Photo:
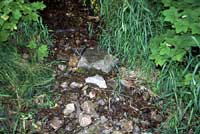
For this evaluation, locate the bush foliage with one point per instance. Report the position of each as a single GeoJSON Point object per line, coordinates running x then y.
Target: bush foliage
{"type": "Point", "coordinates": [12, 12]}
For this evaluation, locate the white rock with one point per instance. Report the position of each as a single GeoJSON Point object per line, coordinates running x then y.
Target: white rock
{"type": "Point", "coordinates": [76, 85]}
{"type": "Point", "coordinates": [101, 102]}
{"type": "Point", "coordinates": [56, 123]}
{"type": "Point", "coordinates": [103, 119]}
{"type": "Point", "coordinates": [88, 107]}
{"type": "Point", "coordinates": [97, 80]}
{"type": "Point", "coordinates": [69, 108]}
{"type": "Point", "coordinates": [62, 67]}
{"type": "Point", "coordinates": [85, 120]}
{"type": "Point", "coordinates": [117, 132]}
{"type": "Point", "coordinates": [136, 130]}
{"type": "Point", "coordinates": [64, 85]}
{"type": "Point", "coordinates": [127, 126]}
{"type": "Point", "coordinates": [92, 95]}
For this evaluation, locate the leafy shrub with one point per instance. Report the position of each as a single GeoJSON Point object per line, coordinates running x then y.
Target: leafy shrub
{"type": "Point", "coordinates": [182, 34]}
{"type": "Point", "coordinates": [12, 12]}
{"type": "Point", "coordinates": [176, 52]}
{"type": "Point", "coordinates": [26, 83]}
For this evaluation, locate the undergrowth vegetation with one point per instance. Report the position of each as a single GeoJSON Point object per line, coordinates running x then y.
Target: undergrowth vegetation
{"type": "Point", "coordinates": [26, 81]}
{"type": "Point", "coordinates": [160, 38]}
{"type": "Point", "coordinates": [128, 27]}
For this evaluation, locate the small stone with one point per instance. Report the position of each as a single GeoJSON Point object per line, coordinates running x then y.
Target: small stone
{"type": "Point", "coordinates": [68, 128]}
{"type": "Point", "coordinates": [156, 117]}
{"type": "Point", "coordinates": [56, 123]}
{"type": "Point", "coordinates": [103, 119]}
{"type": "Point", "coordinates": [73, 61]}
{"type": "Point", "coordinates": [92, 94]}
{"type": "Point", "coordinates": [76, 85]}
{"type": "Point", "coordinates": [117, 132]}
{"type": "Point", "coordinates": [85, 120]}
{"type": "Point", "coordinates": [101, 102]}
{"type": "Point", "coordinates": [107, 131]}
{"type": "Point", "coordinates": [136, 130]}
{"type": "Point", "coordinates": [127, 126]}
{"type": "Point", "coordinates": [97, 80]}
{"type": "Point", "coordinates": [88, 107]}
{"type": "Point", "coordinates": [78, 42]}
{"type": "Point", "coordinates": [69, 108]}
{"type": "Point", "coordinates": [62, 67]}
{"type": "Point", "coordinates": [64, 85]}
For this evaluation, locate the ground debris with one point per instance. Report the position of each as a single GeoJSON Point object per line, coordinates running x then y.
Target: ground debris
{"type": "Point", "coordinates": [109, 107]}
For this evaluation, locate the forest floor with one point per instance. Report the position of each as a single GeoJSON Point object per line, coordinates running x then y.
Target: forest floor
{"type": "Point", "coordinates": [116, 102]}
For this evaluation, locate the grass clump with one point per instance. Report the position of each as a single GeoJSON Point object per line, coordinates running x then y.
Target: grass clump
{"type": "Point", "coordinates": [26, 83]}
{"type": "Point", "coordinates": [127, 30]}
{"type": "Point", "coordinates": [128, 27]}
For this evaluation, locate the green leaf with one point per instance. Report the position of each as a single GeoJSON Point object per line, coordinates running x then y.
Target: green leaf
{"type": "Point", "coordinates": [181, 26]}
{"type": "Point", "coordinates": [160, 60]}
{"type": "Point", "coordinates": [164, 49]}
{"type": "Point", "coordinates": [38, 5]}
{"type": "Point", "coordinates": [4, 36]}
{"type": "Point", "coordinates": [179, 54]}
{"type": "Point", "coordinates": [188, 79]}
{"type": "Point", "coordinates": [195, 28]}
{"type": "Point", "coordinates": [42, 52]}
{"type": "Point", "coordinates": [32, 45]}
{"type": "Point", "coordinates": [16, 14]}
{"type": "Point", "coordinates": [171, 14]}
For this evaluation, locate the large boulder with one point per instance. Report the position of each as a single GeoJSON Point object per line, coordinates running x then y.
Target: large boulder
{"type": "Point", "coordinates": [97, 59]}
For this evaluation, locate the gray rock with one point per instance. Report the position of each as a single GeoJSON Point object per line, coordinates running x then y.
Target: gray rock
{"type": "Point", "coordinates": [103, 119]}
{"type": "Point", "coordinates": [92, 94]}
{"type": "Point", "coordinates": [83, 63]}
{"type": "Point", "coordinates": [117, 132]}
{"type": "Point", "coordinates": [69, 108]}
{"type": "Point", "coordinates": [61, 67]}
{"type": "Point", "coordinates": [156, 117]}
{"type": "Point", "coordinates": [56, 123]}
{"type": "Point", "coordinates": [84, 120]}
{"type": "Point", "coordinates": [127, 125]}
{"type": "Point", "coordinates": [101, 102]}
{"type": "Point", "coordinates": [88, 107]}
{"type": "Point", "coordinates": [97, 59]}
{"type": "Point", "coordinates": [97, 80]}
{"type": "Point", "coordinates": [106, 64]}
{"type": "Point", "coordinates": [136, 130]}
{"type": "Point", "coordinates": [64, 85]}
{"type": "Point", "coordinates": [76, 85]}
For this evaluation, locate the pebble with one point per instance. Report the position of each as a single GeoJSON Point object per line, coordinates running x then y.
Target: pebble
{"type": "Point", "coordinates": [69, 108]}
{"type": "Point", "coordinates": [101, 102]}
{"type": "Point", "coordinates": [97, 80]}
{"type": "Point", "coordinates": [56, 123]}
{"type": "Point", "coordinates": [88, 107]}
{"type": "Point", "coordinates": [103, 119]}
{"type": "Point", "coordinates": [61, 67]}
{"type": "Point", "coordinates": [136, 130]}
{"type": "Point", "coordinates": [92, 94]}
{"type": "Point", "coordinates": [117, 132]}
{"type": "Point", "coordinates": [64, 85]}
{"type": "Point", "coordinates": [126, 125]}
{"type": "Point", "coordinates": [156, 117]}
{"type": "Point", "coordinates": [85, 120]}
{"type": "Point", "coordinates": [74, 85]}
